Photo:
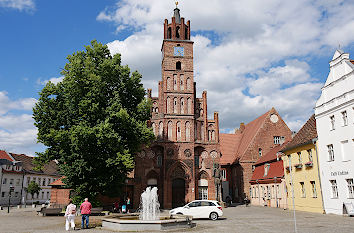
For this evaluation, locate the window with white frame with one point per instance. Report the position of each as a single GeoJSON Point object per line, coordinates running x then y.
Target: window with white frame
{"type": "Point", "coordinates": [250, 192]}
{"type": "Point", "coordinates": [18, 181]}
{"type": "Point", "coordinates": [330, 152]}
{"type": "Point", "coordinates": [314, 191]}
{"type": "Point", "coordinates": [277, 140]}
{"type": "Point", "coordinates": [269, 195]}
{"type": "Point", "coordinates": [273, 191]}
{"type": "Point", "coordinates": [223, 174]}
{"type": "Point", "coordinates": [345, 118]}
{"type": "Point", "coordinates": [300, 157]}
{"type": "Point", "coordinates": [278, 190]}
{"type": "Point", "coordinates": [203, 192]}
{"type": "Point", "coordinates": [303, 191]}
{"type": "Point", "coordinates": [332, 119]}
{"type": "Point", "coordinates": [4, 180]}
{"type": "Point", "coordinates": [11, 181]}
{"type": "Point", "coordinates": [334, 188]}
{"type": "Point", "coordinates": [309, 152]}
{"type": "Point", "coordinates": [350, 188]}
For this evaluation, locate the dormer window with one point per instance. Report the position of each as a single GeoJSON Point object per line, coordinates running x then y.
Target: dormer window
{"type": "Point", "coordinates": [17, 168]}
{"type": "Point", "coordinates": [8, 167]}
{"type": "Point", "coordinates": [266, 169]}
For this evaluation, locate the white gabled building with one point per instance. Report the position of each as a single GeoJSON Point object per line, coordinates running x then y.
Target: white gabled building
{"type": "Point", "coordinates": [334, 114]}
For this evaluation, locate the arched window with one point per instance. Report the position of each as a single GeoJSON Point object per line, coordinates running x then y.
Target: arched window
{"type": "Point", "coordinates": [154, 128]}
{"type": "Point", "coordinates": [188, 131]}
{"type": "Point", "coordinates": [213, 135]}
{"type": "Point", "coordinates": [156, 109]}
{"type": "Point", "coordinates": [209, 135]}
{"type": "Point", "coordinates": [168, 85]}
{"type": "Point", "coordinates": [177, 32]}
{"type": "Point", "coordinates": [175, 105]}
{"type": "Point", "coordinates": [182, 105]}
{"type": "Point", "coordinates": [182, 82]}
{"type": "Point", "coordinates": [178, 65]}
{"type": "Point", "coordinates": [169, 33]}
{"type": "Point", "coordinates": [189, 84]}
{"type": "Point", "coordinates": [178, 131]}
{"type": "Point", "coordinates": [169, 130]}
{"type": "Point", "coordinates": [161, 129]}
{"type": "Point", "coordinates": [168, 100]}
{"type": "Point", "coordinates": [186, 33]}
{"type": "Point", "coordinates": [175, 82]}
{"type": "Point", "coordinates": [189, 105]}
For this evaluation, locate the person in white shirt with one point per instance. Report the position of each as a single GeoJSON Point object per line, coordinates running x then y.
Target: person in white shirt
{"type": "Point", "coordinates": [70, 216]}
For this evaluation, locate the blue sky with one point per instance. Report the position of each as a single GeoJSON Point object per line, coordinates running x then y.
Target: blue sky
{"type": "Point", "coordinates": [249, 55]}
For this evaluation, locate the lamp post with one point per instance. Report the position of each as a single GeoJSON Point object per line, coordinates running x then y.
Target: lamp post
{"type": "Point", "coordinates": [292, 191]}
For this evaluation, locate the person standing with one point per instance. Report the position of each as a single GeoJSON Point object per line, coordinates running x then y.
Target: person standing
{"type": "Point", "coordinates": [85, 209]}
{"type": "Point", "coordinates": [70, 216]}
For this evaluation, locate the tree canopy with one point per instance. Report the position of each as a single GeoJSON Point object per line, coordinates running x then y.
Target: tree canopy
{"type": "Point", "coordinates": [33, 188]}
{"type": "Point", "coordinates": [94, 121]}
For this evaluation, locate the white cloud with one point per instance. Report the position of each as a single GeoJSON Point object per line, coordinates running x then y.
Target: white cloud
{"type": "Point", "coordinates": [54, 80]}
{"type": "Point", "coordinates": [17, 131]}
{"type": "Point", "coordinates": [248, 55]}
{"type": "Point", "coordinates": [20, 5]}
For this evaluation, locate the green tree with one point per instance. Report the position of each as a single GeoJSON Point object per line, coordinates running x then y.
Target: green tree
{"type": "Point", "coordinates": [94, 121]}
{"type": "Point", "coordinates": [33, 188]}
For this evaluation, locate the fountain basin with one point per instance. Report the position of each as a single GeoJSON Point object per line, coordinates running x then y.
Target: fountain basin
{"type": "Point", "coordinates": [131, 222]}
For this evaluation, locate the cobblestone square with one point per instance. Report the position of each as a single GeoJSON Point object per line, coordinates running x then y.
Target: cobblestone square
{"type": "Point", "coordinates": [236, 219]}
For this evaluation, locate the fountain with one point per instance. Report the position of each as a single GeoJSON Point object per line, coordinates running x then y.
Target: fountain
{"type": "Point", "coordinates": [149, 205]}
{"type": "Point", "coordinates": [148, 217]}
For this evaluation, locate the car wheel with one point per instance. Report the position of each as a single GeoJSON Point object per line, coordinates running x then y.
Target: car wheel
{"type": "Point", "coordinates": [213, 216]}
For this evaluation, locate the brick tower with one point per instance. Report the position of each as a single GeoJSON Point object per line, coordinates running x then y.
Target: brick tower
{"type": "Point", "coordinates": [182, 159]}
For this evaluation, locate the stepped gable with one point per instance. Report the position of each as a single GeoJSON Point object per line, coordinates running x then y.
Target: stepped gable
{"type": "Point", "coordinates": [228, 147]}
{"type": "Point", "coordinates": [304, 136]}
{"type": "Point", "coordinates": [50, 168]}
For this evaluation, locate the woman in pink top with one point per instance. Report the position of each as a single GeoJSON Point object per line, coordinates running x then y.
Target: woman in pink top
{"type": "Point", "coordinates": [85, 210]}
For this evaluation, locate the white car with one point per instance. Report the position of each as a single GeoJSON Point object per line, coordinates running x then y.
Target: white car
{"type": "Point", "coordinates": [200, 209]}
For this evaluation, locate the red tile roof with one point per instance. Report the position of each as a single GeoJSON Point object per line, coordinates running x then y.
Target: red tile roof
{"type": "Point", "coordinates": [234, 146]}
{"type": "Point", "coordinates": [304, 136]}
{"type": "Point", "coordinates": [276, 170]}
{"type": "Point", "coordinates": [352, 61]}
{"type": "Point", "coordinates": [228, 147]}
{"type": "Point", "coordinates": [27, 163]}
{"type": "Point", "coordinates": [5, 155]}
{"type": "Point", "coordinates": [270, 156]}
{"type": "Point", "coordinates": [250, 132]}
{"type": "Point", "coordinates": [58, 182]}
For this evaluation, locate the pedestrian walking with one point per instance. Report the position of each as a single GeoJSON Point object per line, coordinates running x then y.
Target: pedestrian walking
{"type": "Point", "coordinates": [85, 210]}
{"type": "Point", "coordinates": [70, 216]}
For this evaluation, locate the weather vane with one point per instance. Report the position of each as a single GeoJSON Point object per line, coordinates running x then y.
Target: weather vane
{"type": "Point", "coordinates": [176, 4]}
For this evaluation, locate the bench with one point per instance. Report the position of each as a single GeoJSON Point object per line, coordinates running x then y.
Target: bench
{"type": "Point", "coordinates": [97, 211]}
{"type": "Point", "coordinates": [49, 211]}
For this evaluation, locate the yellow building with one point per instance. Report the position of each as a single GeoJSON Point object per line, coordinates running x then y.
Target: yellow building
{"type": "Point", "coordinates": [301, 169]}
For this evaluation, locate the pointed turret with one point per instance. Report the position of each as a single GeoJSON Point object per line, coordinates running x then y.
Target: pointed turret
{"type": "Point", "coordinates": [177, 29]}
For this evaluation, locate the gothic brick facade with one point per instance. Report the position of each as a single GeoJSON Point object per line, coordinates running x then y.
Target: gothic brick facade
{"type": "Point", "coordinates": [241, 150]}
{"type": "Point", "coordinates": [180, 162]}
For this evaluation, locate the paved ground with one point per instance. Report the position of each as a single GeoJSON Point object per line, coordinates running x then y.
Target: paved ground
{"type": "Point", "coordinates": [236, 219]}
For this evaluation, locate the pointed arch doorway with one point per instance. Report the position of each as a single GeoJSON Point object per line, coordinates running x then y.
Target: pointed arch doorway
{"type": "Point", "coordinates": [178, 192]}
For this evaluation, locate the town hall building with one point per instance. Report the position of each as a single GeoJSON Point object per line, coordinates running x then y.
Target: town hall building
{"type": "Point", "coordinates": [183, 161]}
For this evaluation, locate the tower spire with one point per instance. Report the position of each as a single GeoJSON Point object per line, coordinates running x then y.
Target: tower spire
{"type": "Point", "coordinates": [176, 14]}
